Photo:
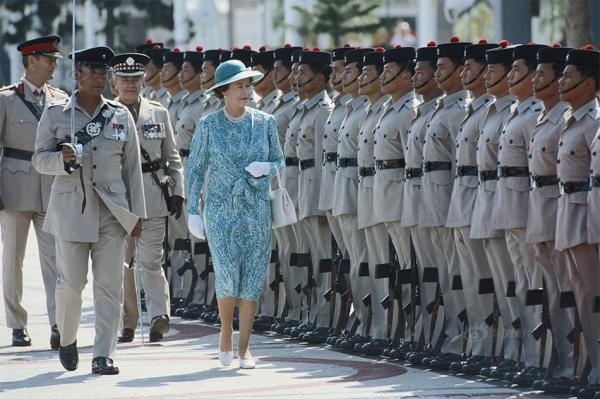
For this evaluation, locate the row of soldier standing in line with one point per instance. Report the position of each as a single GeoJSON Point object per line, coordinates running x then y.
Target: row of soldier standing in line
{"type": "Point", "coordinates": [347, 162]}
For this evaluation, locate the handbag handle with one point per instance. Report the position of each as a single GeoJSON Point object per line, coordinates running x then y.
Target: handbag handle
{"type": "Point", "coordinates": [278, 177]}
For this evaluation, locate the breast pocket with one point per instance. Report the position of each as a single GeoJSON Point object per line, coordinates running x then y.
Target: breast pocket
{"type": "Point", "coordinates": [116, 131]}
{"type": "Point", "coordinates": [154, 131]}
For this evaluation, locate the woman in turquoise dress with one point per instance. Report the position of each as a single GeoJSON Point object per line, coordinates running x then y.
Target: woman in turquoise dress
{"type": "Point", "coordinates": [234, 153]}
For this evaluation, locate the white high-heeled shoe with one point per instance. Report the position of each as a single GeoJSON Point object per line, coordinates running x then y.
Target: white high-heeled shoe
{"type": "Point", "coordinates": [246, 363]}
{"type": "Point", "coordinates": [226, 358]}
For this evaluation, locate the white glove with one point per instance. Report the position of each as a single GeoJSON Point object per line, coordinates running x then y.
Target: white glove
{"type": "Point", "coordinates": [258, 169]}
{"type": "Point", "coordinates": [196, 227]}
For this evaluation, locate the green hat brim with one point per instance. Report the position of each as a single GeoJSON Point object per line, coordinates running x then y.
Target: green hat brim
{"type": "Point", "coordinates": [253, 75]}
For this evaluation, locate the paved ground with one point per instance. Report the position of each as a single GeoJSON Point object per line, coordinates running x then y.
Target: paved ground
{"type": "Point", "coordinates": [185, 365]}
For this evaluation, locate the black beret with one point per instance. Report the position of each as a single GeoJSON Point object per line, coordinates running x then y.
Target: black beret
{"type": "Point", "coordinates": [175, 57]}
{"type": "Point", "coordinates": [45, 45]}
{"type": "Point", "coordinates": [156, 55]}
{"type": "Point", "coordinates": [314, 57]}
{"type": "Point", "coordinates": [95, 56]}
{"type": "Point", "coordinates": [196, 58]}
{"type": "Point", "coordinates": [263, 58]}
{"type": "Point", "coordinates": [129, 64]}
{"type": "Point", "coordinates": [399, 54]}
{"type": "Point", "coordinates": [148, 44]}
{"type": "Point", "coordinates": [557, 55]}
{"type": "Point", "coordinates": [337, 54]}
{"type": "Point", "coordinates": [357, 55]}
{"type": "Point", "coordinates": [374, 57]}
{"type": "Point", "coordinates": [527, 52]}
{"type": "Point", "coordinates": [584, 57]}
{"type": "Point", "coordinates": [454, 49]}
{"type": "Point", "coordinates": [285, 53]}
{"type": "Point", "coordinates": [244, 55]}
{"type": "Point", "coordinates": [428, 53]}
{"type": "Point", "coordinates": [477, 51]}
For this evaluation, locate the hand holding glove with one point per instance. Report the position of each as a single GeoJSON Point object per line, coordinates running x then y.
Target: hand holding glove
{"type": "Point", "coordinates": [196, 227]}
{"type": "Point", "coordinates": [259, 169]}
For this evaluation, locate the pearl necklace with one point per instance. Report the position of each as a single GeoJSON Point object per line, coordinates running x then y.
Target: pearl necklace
{"type": "Point", "coordinates": [235, 118]}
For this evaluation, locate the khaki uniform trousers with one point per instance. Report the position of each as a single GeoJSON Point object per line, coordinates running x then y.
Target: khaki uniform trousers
{"type": "Point", "coordinates": [15, 228]}
{"type": "Point", "coordinates": [108, 256]}
{"type": "Point", "coordinates": [355, 243]}
{"type": "Point", "coordinates": [378, 253]}
{"type": "Point", "coordinates": [300, 272]}
{"type": "Point", "coordinates": [154, 282]}
{"type": "Point", "coordinates": [319, 243]}
{"type": "Point", "coordinates": [527, 277]}
{"type": "Point", "coordinates": [553, 265]}
{"type": "Point", "coordinates": [267, 298]}
{"type": "Point", "coordinates": [503, 273]}
{"type": "Point", "coordinates": [336, 230]}
{"type": "Point", "coordinates": [473, 267]}
{"type": "Point", "coordinates": [583, 265]}
{"type": "Point", "coordinates": [286, 245]}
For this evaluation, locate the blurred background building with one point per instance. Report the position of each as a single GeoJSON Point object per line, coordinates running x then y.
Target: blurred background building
{"type": "Point", "coordinates": [122, 24]}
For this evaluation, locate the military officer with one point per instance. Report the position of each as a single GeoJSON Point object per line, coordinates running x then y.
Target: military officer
{"type": "Point", "coordinates": [345, 198]}
{"type": "Point", "coordinates": [97, 199]}
{"type": "Point", "coordinates": [23, 191]}
{"type": "Point", "coordinates": [152, 73]}
{"type": "Point", "coordinates": [510, 202]}
{"type": "Point", "coordinates": [314, 70]}
{"type": "Point", "coordinates": [472, 263]}
{"type": "Point", "coordinates": [578, 85]}
{"type": "Point", "coordinates": [141, 49]}
{"type": "Point", "coordinates": [424, 85]}
{"type": "Point", "coordinates": [169, 79]}
{"type": "Point", "coordinates": [157, 141]}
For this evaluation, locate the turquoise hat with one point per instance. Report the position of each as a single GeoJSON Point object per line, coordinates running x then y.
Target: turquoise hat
{"type": "Point", "coordinates": [232, 71]}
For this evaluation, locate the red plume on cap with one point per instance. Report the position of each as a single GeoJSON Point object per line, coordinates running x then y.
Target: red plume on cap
{"type": "Point", "coordinates": [199, 49]}
{"type": "Point", "coordinates": [588, 47]}
{"type": "Point", "coordinates": [347, 45]}
{"type": "Point", "coordinates": [454, 39]}
{"type": "Point", "coordinates": [176, 50]}
{"type": "Point", "coordinates": [262, 49]}
{"type": "Point", "coordinates": [532, 43]}
{"type": "Point", "coordinates": [556, 45]}
{"type": "Point", "coordinates": [220, 49]}
{"type": "Point", "coordinates": [148, 41]}
{"type": "Point", "coordinates": [379, 49]}
{"type": "Point", "coordinates": [287, 45]}
{"type": "Point", "coordinates": [483, 41]}
{"type": "Point", "coordinates": [431, 43]}
{"type": "Point", "coordinates": [316, 49]}
{"type": "Point", "coordinates": [156, 46]}
{"type": "Point", "coordinates": [359, 47]}
{"type": "Point", "coordinates": [235, 49]}
{"type": "Point", "coordinates": [247, 47]}
{"type": "Point", "coordinates": [306, 49]}
{"type": "Point", "coordinates": [398, 46]}
{"type": "Point", "coordinates": [504, 43]}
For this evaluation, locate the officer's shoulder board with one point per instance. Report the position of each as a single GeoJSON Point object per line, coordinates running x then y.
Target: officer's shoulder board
{"type": "Point", "coordinates": [155, 103]}
{"type": "Point", "coordinates": [9, 87]}
{"type": "Point", "coordinates": [55, 103]}
{"type": "Point", "coordinates": [56, 90]}
{"type": "Point", "coordinates": [115, 104]}
{"type": "Point", "coordinates": [594, 113]}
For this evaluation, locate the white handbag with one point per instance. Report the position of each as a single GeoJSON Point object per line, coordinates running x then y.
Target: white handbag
{"type": "Point", "coordinates": [283, 211]}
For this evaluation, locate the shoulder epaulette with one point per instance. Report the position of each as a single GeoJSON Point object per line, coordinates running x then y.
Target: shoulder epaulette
{"type": "Point", "coordinates": [57, 89]}
{"type": "Point", "coordinates": [156, 103]}
{"type": "Point", "coordinates": [9, 87]}
{"type": "Point", "coordinates": [115, 104]}
{"type": "Point", "coordinates": [62, 102]}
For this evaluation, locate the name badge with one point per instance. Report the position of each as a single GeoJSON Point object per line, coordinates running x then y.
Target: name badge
{"type": "Point", "coordinates": [119, 132]}
{"type": "Point", "coordinates": [154, 131]}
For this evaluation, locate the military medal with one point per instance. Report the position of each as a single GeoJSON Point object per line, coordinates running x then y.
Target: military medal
{"type": "Point", "coordinates": [119, 132]}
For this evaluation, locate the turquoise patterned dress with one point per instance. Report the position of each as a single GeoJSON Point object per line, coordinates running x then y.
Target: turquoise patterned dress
{"type": "Point", "coordinates": [237, 213]}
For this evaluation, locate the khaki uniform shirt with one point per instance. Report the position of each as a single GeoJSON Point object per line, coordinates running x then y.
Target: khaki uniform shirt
{"type": "Point", "coordinates": [290, 175]}
{"type": "Point", "coordinates": [345, 186]}
{"type": "Point", "coordinates": [464, 190]}
{"type": "Point", "coordinates": [212, 104]}
{"type": "Point", "coordinates": [174, 105]}
{"type": "Point", "coordinates": [593, 214]}
{"type": "Point", "coordinates": [573, 165]}
{"type": "Point", "coordinates": [189, 114]}
{"type": "Point", "coordinates": [111, 169]}
{"type": "Point", "coordinates": [310, 146]}
{"type": "Point", "coordinates": [543, 150]}
{"type": "Point", "coordinates": [330, 143]}
{"type": "Point", "coordinates": [388, 185]}
{"type": "Point", "coordinates": [269, 102]}
{"type": "Point", "coordinates": [146, 91]}
{"type": "Point", "coordinates": [487, 160]}
{"type": "Point", "coordinates": [22, 188]}
{"type": "Point", "coordinates": [161, 95]}
{"type": "Point", "coordinates": [366, 159]}
{"type": "Point", "coordinates": [283, 112]}
{"type": "Point", "coordinates": [413, 156]}
{"type": "Point", "coordinates": [439, 146]}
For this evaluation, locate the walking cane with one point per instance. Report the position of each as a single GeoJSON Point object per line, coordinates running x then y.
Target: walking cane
{"type": "Point", "coordinates": [138, 279]}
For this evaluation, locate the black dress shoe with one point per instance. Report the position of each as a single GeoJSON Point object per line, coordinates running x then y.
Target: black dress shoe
{"type": "Point", "coordinates": [475, 367]}
{"type": "Point", "coordinates": [104, 366]}
{"type": "Point", "coordinates": [400, 352]}
{"type": "Point", "coordinates": [375, 347]}
{"type": "Point", "coordinates": [316, 336]}
{"type": "Point", "coordinates": [442, 362]}
{"type": "Point", "coordinates": [158, 326]}
{"type": "Point", "coordinates": [20, 337]}
{"type": "Point", "coordinates": [557, 385]}
{"type": "Point", "coordinates": [502, 368]}
{"type": "Point", "coordinates": [263, 323]}
{"type": "Point", "coordinates": [527, 377]}
{"type": "Point", "coordinates": [69, 357]}
{"type": "Point", "coordinates": [588, 391]}
{"type": "Point", "coordinates": [125, 335]}
{"type": "Point", "coordinates": [54, 338]}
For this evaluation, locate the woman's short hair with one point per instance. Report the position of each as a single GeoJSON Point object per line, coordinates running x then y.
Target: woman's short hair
{"type": "Point", "coordinates": [218, 92]}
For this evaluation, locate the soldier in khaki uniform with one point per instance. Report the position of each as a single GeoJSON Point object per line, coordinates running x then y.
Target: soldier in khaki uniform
{"type": "Point", "coordinates": [578, 85]}
{"type": "Point", "coordinates": [152, 73]}
{"type": "Point", "coordinates": [207, 80]}
{"type": "Point", "coordinates": [23, 191]}
{"type": "Point", "coordinates": [156, 138]}
{"type": "Point", "coordinates": [92, 207]}
{"type": "Point", "coordinates": [424, 84]}
{"type": "Point", "coordinates": [388, 186]}
{"type": "Point", "coordinates": [376, 235]}
{"type": "Point", "coordinates": [471, 256]}
{"type": "Point", "coordinates": [510, 202]}
{"type": "Point", "coordinates": [141, 49]}
{"type": "Point", "coordinates": [314, 70]}
{"type": "Point", "coordinates": [502, 273]}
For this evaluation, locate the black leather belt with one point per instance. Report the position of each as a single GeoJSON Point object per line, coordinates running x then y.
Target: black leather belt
{"type": "Point", "coordinates": [330, 157]}
{"type": "Point", "coordinates": [152, 166]}
{"type": "Point", "coordinates": [513, 171]}
{"type": "Point", "coordinates": [347, 162]}
{"type": "Point", "coordinates": [366, 171]}
{"type": "Point", "coordinates": [466, 170]}
{"type": "Point", "coordinates": [184, 152]}
{"type": "Point", "coordinates": [17, 154]}
{"type": "Point", "coordinates": [485, 175]}
{"type": "Point", "coordinates": [307, 163]}
{"type": "Point", "coordinates": [570, 187]}
{"type": "Point", "coordinates": [543, 181]}
{"type": "Point", "coordinates": [411, 173]}
{"type": "Point", "coordinates": [390, 164]}
{"type": "Point", "coordinates": [291, 161]}
{"type": "Point", "coordinates": [595, 181]}
{"type": "Point", "coordinates": [433, 166]}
